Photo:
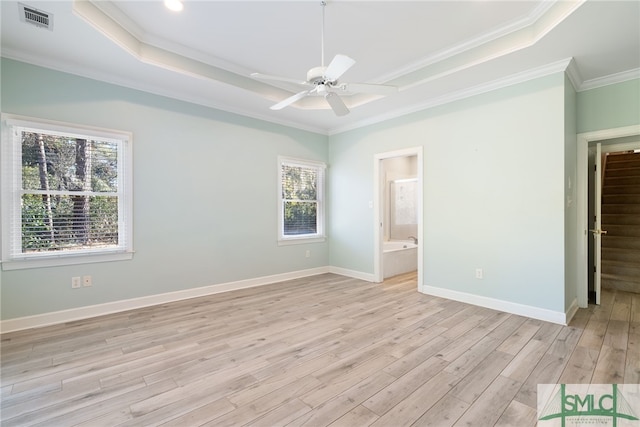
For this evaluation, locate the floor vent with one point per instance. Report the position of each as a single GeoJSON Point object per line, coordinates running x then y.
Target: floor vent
{"type": "Point", "coordinates": [37, 17]}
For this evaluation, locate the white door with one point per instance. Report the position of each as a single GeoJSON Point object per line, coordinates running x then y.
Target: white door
{"type": "Point", "coordinates": [597, 224]}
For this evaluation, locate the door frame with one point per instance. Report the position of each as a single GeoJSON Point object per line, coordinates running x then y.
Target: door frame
{"type": "Point", "coordinates": [378, 206]}
{"type": "Point", "coordinates": [582, 198]}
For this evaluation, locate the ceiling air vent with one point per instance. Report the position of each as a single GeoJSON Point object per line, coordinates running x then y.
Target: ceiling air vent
{"type": "Point", "coordinates": [37, 17]}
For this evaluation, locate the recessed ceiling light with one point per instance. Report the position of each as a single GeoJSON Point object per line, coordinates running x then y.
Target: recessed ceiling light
{"type": "Point", "coordinates": [174, 5]}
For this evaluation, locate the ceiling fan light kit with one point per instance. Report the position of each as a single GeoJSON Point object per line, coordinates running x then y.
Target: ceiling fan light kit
{"type": "Point", "coordinates": [323, 81]}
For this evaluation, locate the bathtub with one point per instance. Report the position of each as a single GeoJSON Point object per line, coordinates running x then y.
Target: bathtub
{"type": "Point", "coordinates": [399, 257]}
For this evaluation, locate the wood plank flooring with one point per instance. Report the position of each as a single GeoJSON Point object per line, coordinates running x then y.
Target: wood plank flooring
{"type": "Point", "coordinates": [320, 351]}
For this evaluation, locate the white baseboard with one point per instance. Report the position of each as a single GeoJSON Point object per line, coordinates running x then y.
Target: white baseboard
{"type": "Point", "coordinates": [367, 277]}
{"type": "Point", "coordinates": [573, 309]}
{"type": "Point", "coordinates": [63, 316]}
{"type": "Point", "coordinates": [501, 305]}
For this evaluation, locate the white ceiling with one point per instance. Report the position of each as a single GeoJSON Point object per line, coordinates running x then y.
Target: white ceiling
{"type": "Point", "coordinates": [434, 51]}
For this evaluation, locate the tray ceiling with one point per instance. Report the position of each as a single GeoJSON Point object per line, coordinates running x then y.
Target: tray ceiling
{"type": "Point", "coordinates": [434, 51]}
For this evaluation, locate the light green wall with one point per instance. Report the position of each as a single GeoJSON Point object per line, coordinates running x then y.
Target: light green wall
{"type": "Point", "coordinates": [609, 107]}
{"type": "Point", "coordinates": [205, 196]}
{"type": "Point", "coordinates": [496, 172]}
{"type": "Point", "coordinates": [494, 168]}
{"type": "Point", "coordinates": [571, 208]}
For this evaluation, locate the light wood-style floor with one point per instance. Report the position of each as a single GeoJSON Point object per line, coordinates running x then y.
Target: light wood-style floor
{"type": "Point", "coordinates": [325, 350]}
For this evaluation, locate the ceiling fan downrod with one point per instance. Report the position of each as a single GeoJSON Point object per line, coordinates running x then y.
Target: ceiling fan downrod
{"type": "Point", "coordinates": [323, 4]}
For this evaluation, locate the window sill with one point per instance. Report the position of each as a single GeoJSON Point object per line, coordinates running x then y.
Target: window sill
{"type": "Point", "coordinates": [301, 240]}
{"type": "Point", "coordinates": [61, 260]}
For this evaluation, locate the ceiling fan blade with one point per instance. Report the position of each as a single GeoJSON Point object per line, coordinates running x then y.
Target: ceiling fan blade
{"type": "Point", "coordinates": [336, 104]}
{"type": "Point", "coordinates": [267, 77]}
{"type": "Point", "coordinates": [368, 88]}
{"type": "Point", "coordinates": [338, 66]}
{"type": "Point", "coordinates": [280, 105]}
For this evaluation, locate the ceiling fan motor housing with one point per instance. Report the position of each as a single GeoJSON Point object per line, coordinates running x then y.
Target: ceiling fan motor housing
{"type": "Point", "coordinates": [316, 76]}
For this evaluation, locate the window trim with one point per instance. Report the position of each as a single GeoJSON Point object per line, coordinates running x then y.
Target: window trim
{"type": "Point", "coordinates": [320, 236]}
{"type": "Point", "coordinates": [10, 188]}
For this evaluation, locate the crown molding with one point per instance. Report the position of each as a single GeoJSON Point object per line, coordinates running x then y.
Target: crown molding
{"type": "Point", "coordinates": [109, 20]}
{"type": "Point", "coordinates": [106, 18]}
{"type": "Point", "coordinates": [510, 39]}
{"type": "Point", "coordinates": [166, 59]}
{"type": "Point", "coordinates": [573, 73]}
{"type": "Point", "coordinates": [555, 67]}
{"type": "Point", "coordinates": [610, 80]}
{"type": "Point", "coordinates": [108, 78]}
{"type": "Point", "coordinates": [476, 42]}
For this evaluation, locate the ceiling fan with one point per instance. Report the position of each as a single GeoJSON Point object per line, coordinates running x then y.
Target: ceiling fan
{"type": "Point", "coordinates": [323, 81]}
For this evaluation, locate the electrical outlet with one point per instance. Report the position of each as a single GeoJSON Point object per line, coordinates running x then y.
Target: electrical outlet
{"type": "Point", "coordinates": [479, 273]}
{"type": "Point", "coordinates": [307, 254]}
{"type": "Point", "coordinates": [76, 282]}
{"type": "Point", "coordinates": [87, 281]}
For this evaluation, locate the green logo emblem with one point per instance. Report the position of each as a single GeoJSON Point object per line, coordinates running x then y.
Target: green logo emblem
{"type": "Point", "coordinates": [602, 404]}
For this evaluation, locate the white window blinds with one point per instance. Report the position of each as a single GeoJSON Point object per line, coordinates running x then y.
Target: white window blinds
{"type": "Point", "coordinates": [301, 199]}
{"type": "Point", "coordinates": [66, 192]}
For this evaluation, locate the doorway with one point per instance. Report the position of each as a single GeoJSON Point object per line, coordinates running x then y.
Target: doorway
{"type": "Point", "coordinates": [398, 211]}
{"type": "Point", "coordinates": [613, 227]}
{"type": "Point", "coordinates": [585, 218]}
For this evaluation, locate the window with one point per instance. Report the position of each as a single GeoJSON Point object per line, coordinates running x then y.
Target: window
{"type": "Point", "coordinates": [301, 205]}
{"type": "Point", "coordinates": [66, 194]}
